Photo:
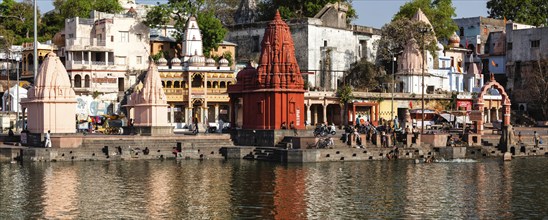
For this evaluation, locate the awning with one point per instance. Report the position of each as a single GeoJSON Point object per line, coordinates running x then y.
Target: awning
{"type": "Point", "coordinates": [459, 119]}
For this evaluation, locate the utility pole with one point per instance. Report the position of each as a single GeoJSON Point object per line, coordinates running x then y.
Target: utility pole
{"type": "Point", "coordinates": [423, 31]}
{"type": "Point", "coordinates": [35, 55]}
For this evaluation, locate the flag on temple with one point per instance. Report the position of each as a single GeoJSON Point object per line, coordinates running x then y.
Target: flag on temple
{"type": "Point", "coordinates": [493, 63]}
{"type": "Point", "coordinates": [410, 104]}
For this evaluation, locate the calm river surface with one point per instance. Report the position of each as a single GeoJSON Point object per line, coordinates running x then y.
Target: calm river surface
{"type": "Point", "coordinates": [238, 189]}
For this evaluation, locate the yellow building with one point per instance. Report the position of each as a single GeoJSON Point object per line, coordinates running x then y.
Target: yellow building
{"type": "Point", "coordinates": [27, 71]}
{"type": "Point", "coordinates": [196, 86]}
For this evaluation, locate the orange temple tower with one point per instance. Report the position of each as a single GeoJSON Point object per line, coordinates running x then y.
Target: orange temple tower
{"type": "Point", "coordinates": [271, 96]}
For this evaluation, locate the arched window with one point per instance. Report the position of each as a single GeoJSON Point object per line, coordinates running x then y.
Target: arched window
{"type": "Point", "coordinates": [163, 84]}
{"type": "Point", "coordinates": [177, 84]}
{"type": "Point", "coordinates": [215, 84]}
{"type": "Point", "coordinates": [208, 84]}
{"type": "Point", "coordinates": [223, 85]}
{"type": "Point", "coordinates": [169, 84]}
{"type": "Point", "coordinates": [86, 81]}
{"type": "Point", "coordinates": [77, 81]}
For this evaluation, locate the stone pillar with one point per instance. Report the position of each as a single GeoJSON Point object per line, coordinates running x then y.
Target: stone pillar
{"type": "Point", "coordinates": [216, 112]}
{"type": "Point", "coordinates": [106, 58]}
{"type": "Point", "coordinates": [324, 112]}
{"type": "Point", "coordinates": [89, 57]}
{"type": "Point", "coordinates": [172, 112]}
{"type": "Point", "coordinates": [497, 114]}
{"type": "Point", "coordinates": [506, 113]}
{"type": "Point", "coordinates": [342, 114]}
{"type": "Point", "coordinates": [315, 114]}
{"type": "Point", "coordinates": [488, 120]}
{"type": "Point", "coordinates": [188, 115]}
{"type": "Point", "coordinates": [308, 112]}
{"type": "Point", "coordinates": [479, 124]}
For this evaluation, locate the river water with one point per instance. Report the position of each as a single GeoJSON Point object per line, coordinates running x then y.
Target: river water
{"type": "Point", "coordinates": [239, 189]}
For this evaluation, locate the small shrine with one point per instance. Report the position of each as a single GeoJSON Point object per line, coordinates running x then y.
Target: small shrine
{"type": "Point", "coordinates": [51, 103]}
{"type": "Point", "coordinates": [149, 106]}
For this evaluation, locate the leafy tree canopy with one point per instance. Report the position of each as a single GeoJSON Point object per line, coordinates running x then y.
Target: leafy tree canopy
{"type": "Point", "coordinates": [54, 20]}
{"type": "Point", "coordinates": [533, 12]}
{"type": "Point", "coordinates": [16, 18]}
{"type": "Point", "coordinates": [394, 37]}
{"type": "Point", "coordinates": [438, 12]}
{"type": "Point", "coordinates": [298, 9]}
{"type": "Point", "coordinates": [177, 12]}
{"type": "Point", "coordinates": [82, 8]}
{"type": "Point", "coordinates": [365, 76]}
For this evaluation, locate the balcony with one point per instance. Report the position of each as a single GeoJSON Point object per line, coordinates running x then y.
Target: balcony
{"type": "Point", "coordinates": [84, 44]}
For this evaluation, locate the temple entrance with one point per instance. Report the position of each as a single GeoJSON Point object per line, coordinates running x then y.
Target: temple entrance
{"type": "Point", "coordinates": [197, 112]}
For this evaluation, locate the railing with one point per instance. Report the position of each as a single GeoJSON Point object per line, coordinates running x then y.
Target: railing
{"type": "Point", "coordinates": [80, 41]}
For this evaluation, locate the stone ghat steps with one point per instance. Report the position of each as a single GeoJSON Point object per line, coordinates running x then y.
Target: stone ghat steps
{"type": "Point", "coordinates": [122, 153]}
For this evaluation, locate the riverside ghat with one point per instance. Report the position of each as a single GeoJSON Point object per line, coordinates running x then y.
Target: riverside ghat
{"type": "Point", "coordinates": [270, 100]}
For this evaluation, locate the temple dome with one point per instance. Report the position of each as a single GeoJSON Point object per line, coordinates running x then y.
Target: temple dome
{"type": "Point", "coordinates": [454, 40]}
{"type": "Point", "coordinates": [210, 62]}
{"type": "Point", "coordinates": [175, 61]}
{"type": "Point", "coordinates": [223, 62]}
{"type": "Point", "coordinates": [196, 60]}
{"type": "Point", "coordinates": [162, 62]}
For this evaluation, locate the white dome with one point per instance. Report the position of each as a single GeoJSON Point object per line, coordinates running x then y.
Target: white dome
{"type": "Point", "coordinates": [162, 61]}
{"type": "Point", "coordinates": [176, 61]}
{"type": "Point", "coordinates": [196, 60]}
{"type": "Point", "coordinates": [223, 62]}
{"type": "Point", "coordinates": [210, 62]}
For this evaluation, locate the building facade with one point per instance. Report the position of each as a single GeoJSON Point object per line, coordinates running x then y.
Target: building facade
{"type": "Point", "coordinates": [105, 54]}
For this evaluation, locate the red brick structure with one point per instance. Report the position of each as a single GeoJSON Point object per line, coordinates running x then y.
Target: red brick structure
{"type": "Point", "coordinates": [273, 94]}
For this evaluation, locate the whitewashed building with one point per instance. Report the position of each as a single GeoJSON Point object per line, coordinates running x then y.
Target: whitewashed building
{"type": "Point", "coordinates": [105, 53]}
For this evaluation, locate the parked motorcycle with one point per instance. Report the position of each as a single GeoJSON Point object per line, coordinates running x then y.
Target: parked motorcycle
{"type": "Point", "coordinates": [321, 130]}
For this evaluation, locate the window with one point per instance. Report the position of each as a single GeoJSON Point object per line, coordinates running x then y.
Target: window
{"type": "Point", "coordinates": [86, 81]}
{"type": "Point", "coordinates": [139, 37]}
{"type": "Point", "coordinates": [139, 59]}
{"type": "Point", "coordinates": [120, 60]}
{"type": "Point", "coordinates": [256, 44]}
{"type": "Point", "coordinates": [535, 43]}
{"type": "Point", "coordinates": [461, 31]}
{"type": "Point", "coordinates": [509, 46]}
{"type": "Point", "coordinates": [71, 36]}
{"type": "Point", "coordinates": [111, 38]}
{"type": "Point", "coordinates": [99, 36]}
{"type": "Point", "coordinates": [124, 36]}
{"type": "Point", "coordinates": [77, 81]}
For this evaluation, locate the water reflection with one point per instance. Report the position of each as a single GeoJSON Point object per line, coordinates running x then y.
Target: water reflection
{"type": "Point", "coordinates": [242, 189]}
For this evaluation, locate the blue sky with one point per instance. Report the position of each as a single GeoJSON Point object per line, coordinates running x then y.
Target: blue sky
{"type": "Point", "coordinates": [373, 13]}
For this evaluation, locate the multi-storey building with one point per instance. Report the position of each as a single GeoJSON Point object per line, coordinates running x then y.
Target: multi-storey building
{"type": "Point", "coordinates": [105, 54]}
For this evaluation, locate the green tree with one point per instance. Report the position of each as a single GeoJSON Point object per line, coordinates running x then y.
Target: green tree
{"type": "Point", "coordinates": [394, 37]}
{"type": "Point", "coordinates": [345, 96]}
{"type": "Point", "coordinates": [366, 76]}
{"type": "Point", "coordinates": [17, 18]}
{"type": "Point", "coordinates": [177, 12]}
{"type": "Point", "coordinates": [224, 9]}
{"type": "Point", "coordinates": [54, 21]}
{"type": "Point", "coordinates": [212, 30]}
{"type": "Point", "coordinates": [533, 12]}
{"type": "Point", "coordinates": [298, 9]}
{"type": "Point", "coordinates": [438, 12]}
{"type": "Point", "coordinates": [82, 8]}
